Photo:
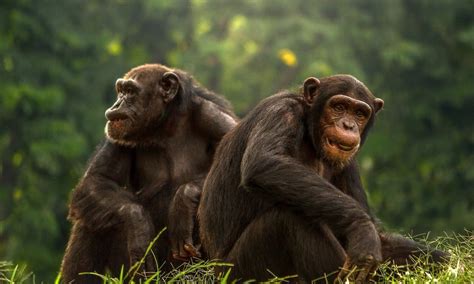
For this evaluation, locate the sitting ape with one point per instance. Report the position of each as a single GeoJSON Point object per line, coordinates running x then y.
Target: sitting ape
{"type": "Point", "coordinates": [284, 192]}
{"type": "Point", "coordinates": [161, 136]}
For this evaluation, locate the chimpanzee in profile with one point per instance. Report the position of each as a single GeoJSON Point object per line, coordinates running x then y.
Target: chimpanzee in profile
{"type": "Point", "coordinates": [161, 137]}
{"type": "Point", "coordinates": [284, 193]}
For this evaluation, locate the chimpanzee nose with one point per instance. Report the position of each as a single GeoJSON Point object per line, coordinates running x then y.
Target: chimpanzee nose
{"type": "Point", "coordinates": [348, 125]}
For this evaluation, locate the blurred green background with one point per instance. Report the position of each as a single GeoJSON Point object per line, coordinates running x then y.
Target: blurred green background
{"type": "Point", "coordinates": [59, 61]}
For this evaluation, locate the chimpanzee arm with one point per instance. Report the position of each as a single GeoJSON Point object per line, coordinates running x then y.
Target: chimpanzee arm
{"type": "Point", "coordinates": [269, 169]}
{"type": "Point", "coordinates": [349, 182]}
{"type": "Point", "coordinates": [100, 201]}
{"type": "Point", "coordinates": [100, 194]}
{"type": "Point", "coordinates": [395, 248]}
{"type": "Point", "coordinates": [212, 120]}
{"type": "Point", "coordinates": [182, 220]}
{"type": "Point", "coordinates": [213, 123]}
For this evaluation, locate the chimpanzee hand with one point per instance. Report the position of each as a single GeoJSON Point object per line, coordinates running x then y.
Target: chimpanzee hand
{"type": "Point", "coordinates": [182, 220]}
{"type": "Point", "coordinates": [363, 254]}
{"type": "Point", "coordinates": [139, 229]}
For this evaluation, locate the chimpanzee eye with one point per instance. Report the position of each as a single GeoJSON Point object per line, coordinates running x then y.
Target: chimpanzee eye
{"type": "Point", "coordinates": [339, 108]}
{"type": "Point", "coordinates": [360, 114]}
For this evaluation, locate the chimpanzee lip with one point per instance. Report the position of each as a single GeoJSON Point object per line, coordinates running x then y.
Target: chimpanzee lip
{"type": "Point", "coordinates": [338, 145]}
{"type": "Point", "coordinates": [114, 115]}
{"type": "Point", "coordinates": [118, 119]}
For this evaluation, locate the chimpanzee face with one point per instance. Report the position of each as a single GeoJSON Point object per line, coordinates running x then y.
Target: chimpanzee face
{"type": "Point", "coordinates": [342, 110]}
{"type": "Point", "coordinates": [142, 97]}
{"type": "Point", "coordinates": [343, 121]}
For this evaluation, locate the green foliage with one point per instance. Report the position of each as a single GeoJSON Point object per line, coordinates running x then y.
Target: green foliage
{"type": "Point", "coordinates": [59, 60]}
{"type": "Point", "coordinates": [423, 170]}
{"type": "Point", "coordinates": [58, 63]}
{"type": "Point", "coordinates": [10, 273]}
{"type": "Point", "coordinates": [460, 268]}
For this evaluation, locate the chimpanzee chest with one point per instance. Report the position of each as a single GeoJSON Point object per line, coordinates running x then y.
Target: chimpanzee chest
{"type": "Point", "coordinates": [156, 168]}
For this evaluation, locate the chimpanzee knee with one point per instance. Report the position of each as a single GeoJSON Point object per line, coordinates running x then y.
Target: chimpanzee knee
{"type": "Point", "coordinates": [279, 243]}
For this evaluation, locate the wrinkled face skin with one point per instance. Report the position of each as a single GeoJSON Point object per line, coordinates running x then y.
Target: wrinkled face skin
{"type": "Point", "coordinates": [141, 102]}
{"type": "Point", "coordinates": [129, 112]}
{"type": "Point", "coordinates": [341, 109]}
{"type": "Point", "coordinates": [342, 122]}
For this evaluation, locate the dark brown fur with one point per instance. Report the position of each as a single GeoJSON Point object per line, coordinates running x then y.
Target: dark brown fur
{"type": "Point", "coordinates": [161, 136]}
{"type": "Point", "coordinates": [273, 202]}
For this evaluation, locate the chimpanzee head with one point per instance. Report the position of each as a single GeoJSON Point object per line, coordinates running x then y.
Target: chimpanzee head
{"type": "Point", "coordinates": [341, 111]}
{"type": "Point", "coordinates": [144, 96]}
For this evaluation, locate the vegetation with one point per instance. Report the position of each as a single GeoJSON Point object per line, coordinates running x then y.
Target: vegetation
{"type": "Point", "coordinates": [460, 269]}
{"type": "Point", "coordinates": [60, 59]}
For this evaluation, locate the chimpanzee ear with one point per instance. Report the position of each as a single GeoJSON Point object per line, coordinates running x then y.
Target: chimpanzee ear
{"type": "Point", "coordinates": [170, 84]}
{"type": "Point", "coordinates": [310, 86]}
{"type": "Point", "coordinates": [378, 104]}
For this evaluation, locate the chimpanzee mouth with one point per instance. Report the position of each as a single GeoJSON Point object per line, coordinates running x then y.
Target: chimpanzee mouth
{"type": "Point", "coordinates": [340, 146]}
{"type": "Point", "coordinates": [115, 116]}
{"type": "Point", "coordinates": [119, 122]}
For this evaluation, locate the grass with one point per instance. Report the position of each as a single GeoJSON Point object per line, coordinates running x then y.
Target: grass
{"type": "Point", "coordinates": [10, 273]}
{"type": "Point", "coordinates": [460, 269]}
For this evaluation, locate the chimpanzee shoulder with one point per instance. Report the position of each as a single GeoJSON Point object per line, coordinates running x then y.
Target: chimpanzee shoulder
{"type": "Point", "coordinates": [193, 88]}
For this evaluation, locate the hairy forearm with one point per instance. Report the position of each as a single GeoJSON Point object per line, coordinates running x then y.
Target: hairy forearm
{"type": "Point", "coordinates": [288, 183]}
{"type": "Point", "coordinates": [99, 204]}
{"type": "Point", "coordinates": [101, 193]}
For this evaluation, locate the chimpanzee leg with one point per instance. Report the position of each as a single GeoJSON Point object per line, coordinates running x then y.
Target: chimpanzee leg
{"type": "Point", "coordinates": [282, 243]}
{"type": "Point", "coordinates": [86, 251]}
{"type": "Point", "coordinates": [401, 250]}
{"type": "Point", "coordinates": [118, 258]}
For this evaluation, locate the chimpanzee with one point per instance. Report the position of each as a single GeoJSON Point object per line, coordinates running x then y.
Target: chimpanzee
{"type": "Point", "coordinates": [161, 136]}
{"type": "Point", "coordinates": [284, 193]}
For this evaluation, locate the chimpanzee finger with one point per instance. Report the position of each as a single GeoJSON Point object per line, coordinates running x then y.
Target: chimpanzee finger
{"type": "Point", "coordinates": [373, 270]}
{"type": "Point", "coordinates": [341, 276]}
{"type": "Point", "coordinates": [177, 257]}
{"type": "Point", "coordinates": [344, 272]}
{"type": "Point", "coordinates": [182, 252]}
{"type": "Point", "coordinates": [175, 250]}
{"type": "Point", "coordinates": [192, 250]}
{"type": "Point", "coordinates": [367, 270]}
{"type": "Point", "coordinates": [362, 275]}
